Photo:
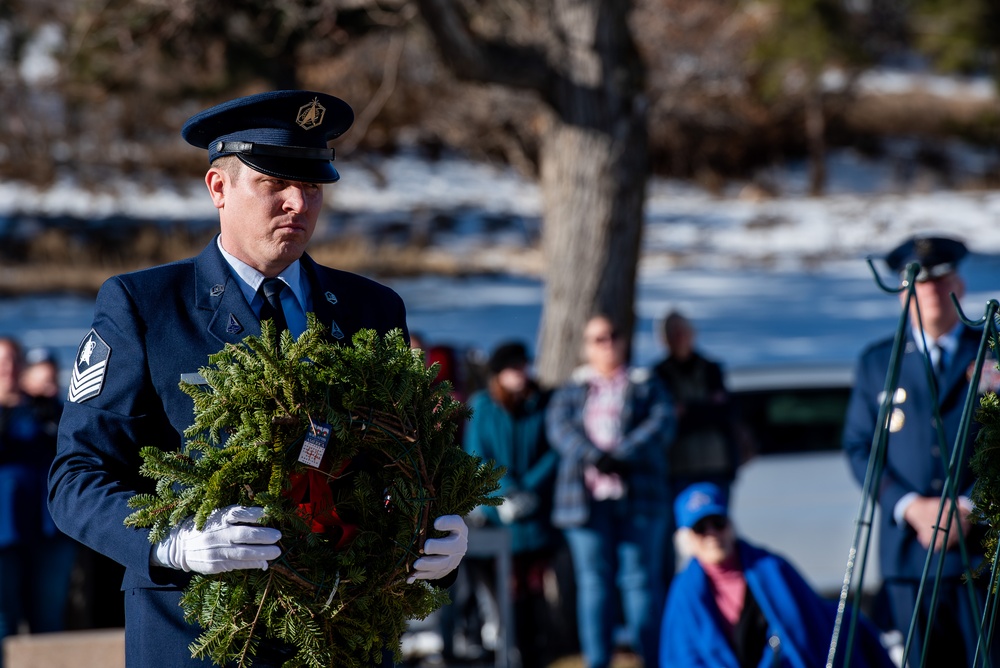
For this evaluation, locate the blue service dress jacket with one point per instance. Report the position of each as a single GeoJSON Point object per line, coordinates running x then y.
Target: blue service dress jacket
{"type": "Point", "coordinates": [915, 460]}
{"type": "Point", "coordinates": [151, 327]}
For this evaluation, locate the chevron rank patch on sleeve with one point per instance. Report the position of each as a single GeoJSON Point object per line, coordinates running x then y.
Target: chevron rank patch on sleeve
{"type": "Point", "coordinates": [89, 369]}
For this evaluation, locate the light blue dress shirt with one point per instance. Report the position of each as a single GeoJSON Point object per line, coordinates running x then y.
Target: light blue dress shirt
{"type": "Point", "coordinates": [295, 301]}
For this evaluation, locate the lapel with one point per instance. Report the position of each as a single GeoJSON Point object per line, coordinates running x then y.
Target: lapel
{"type": "Point", "coordinates": [956, 374]}
{"type": "Point", "coordinates": [218, 296]}
{"type": "Point", "coordinates": [328, 301]}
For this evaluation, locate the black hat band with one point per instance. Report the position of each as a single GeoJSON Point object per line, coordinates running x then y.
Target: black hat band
{"type": "Point", "coordinates": [253, 148]}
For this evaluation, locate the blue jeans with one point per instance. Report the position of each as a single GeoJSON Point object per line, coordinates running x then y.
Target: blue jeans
{"type": "Point", "coordinates": [617, 553]}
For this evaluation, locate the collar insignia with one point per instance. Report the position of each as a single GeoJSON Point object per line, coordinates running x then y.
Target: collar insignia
{"type": "Point", "coordinates": [336, 331]}
{"type": "Point", "coordinates": [218, 289]}
{"type": "Point", "coordinates": [311, 115]}
{"type": "Point", "coordinates": [330, 297]}
{"type": "Point", "coordinates": [234, 326]}
{"type": "Point", "coordinates": [90, 368]}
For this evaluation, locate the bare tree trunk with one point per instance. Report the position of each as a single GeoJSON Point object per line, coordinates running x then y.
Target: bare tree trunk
{"type": "Point", "coordinates": [816, 138]}
{"type": "Point", "coordinates": [594, 158]}
{"type": "Point", "coordinates": [593, 186]}
{"type": "Point", "coordinates": [594, 165]}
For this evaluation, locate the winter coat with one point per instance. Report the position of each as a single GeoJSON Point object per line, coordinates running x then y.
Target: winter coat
{"type": "Point", "coordinates": [517, 441]}
{"type": "Point", "coordinates": [799, 622]}
{"type": "Point", "coordinates": [647, 429]}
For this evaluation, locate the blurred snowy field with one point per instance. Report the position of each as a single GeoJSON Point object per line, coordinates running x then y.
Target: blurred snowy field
{"type": "Point", "coordinates": [765, 279]}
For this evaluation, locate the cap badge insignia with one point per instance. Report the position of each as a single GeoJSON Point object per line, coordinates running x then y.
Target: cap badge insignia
{"type": "Point", "coordinates": [218, 289]}
{"type": "Point", "coordinates": [311, 115]}
{"type": "Point", "coordinates": [90, 368]}
{"type": "Point", "coordinates": [234, 326]}
{"type": "Point", "coordinates": [336, 331]}
{"type": "Point", "coordinates": [330, 297]}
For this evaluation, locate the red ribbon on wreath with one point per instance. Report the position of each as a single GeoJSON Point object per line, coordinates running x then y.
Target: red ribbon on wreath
{"type": "Point", "coordinates": [311, 491]}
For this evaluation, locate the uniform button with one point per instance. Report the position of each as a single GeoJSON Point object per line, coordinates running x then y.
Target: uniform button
{"type": "Point", "coordinates": [936, 485]}
{"type": "Point", "coordinates": [935, 451]}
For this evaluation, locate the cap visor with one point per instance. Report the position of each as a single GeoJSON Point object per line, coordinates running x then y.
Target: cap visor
{"type": "Point", "coordinates": [310, 171]}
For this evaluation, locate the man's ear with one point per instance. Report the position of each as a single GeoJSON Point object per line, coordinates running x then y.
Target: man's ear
{"type": "Point", "coordinates": [218, 182]}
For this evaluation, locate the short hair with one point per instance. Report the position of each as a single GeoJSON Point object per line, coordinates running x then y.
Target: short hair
{"type": "Point", "coordinates": [673, 321]}
{"type": "Point", "coordinates": [231, 165]}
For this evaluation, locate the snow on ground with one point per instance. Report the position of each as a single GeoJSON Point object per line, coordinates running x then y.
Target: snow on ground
{"type": "Point", "coordinates": [888, 81]}
{"type": "Point", "coordinates": [775, 279]}
{"type": "Point", "coordinates": [868, 208]}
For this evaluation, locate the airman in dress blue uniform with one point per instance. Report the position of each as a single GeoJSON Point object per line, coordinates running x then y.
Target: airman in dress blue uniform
{"type": "Point", "coordinates": [911, 486]}
{"type": "Point", "coordinates": [268, 160]}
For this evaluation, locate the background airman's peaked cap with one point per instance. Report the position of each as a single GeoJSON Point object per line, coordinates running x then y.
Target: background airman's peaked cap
{"type": "Point", "coordinates": [281, 133]}
{"type": "Point", "coordinates": [937, 256]}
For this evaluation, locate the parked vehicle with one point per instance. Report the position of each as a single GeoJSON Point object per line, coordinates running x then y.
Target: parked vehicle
{"type": "Point", "coordinates": [796, 494]}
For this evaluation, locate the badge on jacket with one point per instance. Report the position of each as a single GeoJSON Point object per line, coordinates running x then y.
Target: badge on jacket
{"type": "Point", "coordinates": [89, 369]}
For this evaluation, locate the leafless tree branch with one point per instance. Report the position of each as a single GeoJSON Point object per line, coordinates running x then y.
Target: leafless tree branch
{"type": "Point", "coordinates": [474, 58]}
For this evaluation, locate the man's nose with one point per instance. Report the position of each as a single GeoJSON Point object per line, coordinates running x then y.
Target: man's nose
{"type": "Point", "coordinates": [295, 199]}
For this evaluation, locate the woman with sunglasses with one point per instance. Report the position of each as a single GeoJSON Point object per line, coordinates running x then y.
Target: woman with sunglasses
{"type": "Point", "coordinates": [611, 426]}
{"type": "Point", "coordinates": [736, 605]}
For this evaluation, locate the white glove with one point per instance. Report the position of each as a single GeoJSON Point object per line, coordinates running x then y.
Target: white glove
{"type": "Point", "coordinates": [444, 554]}
{"type": "Point", "coordinates": [231, 540]}
{"type": "Point", "coordinates": [517, 505]}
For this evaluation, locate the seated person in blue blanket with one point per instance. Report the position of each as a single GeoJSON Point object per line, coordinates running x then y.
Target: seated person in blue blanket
{"type": "Point", "coordinates": [737, 605]}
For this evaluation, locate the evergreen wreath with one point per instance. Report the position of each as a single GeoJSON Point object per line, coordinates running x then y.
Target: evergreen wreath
{"type": "Point", "coordinates": [985, 464]}
{"type": "Point", "coordinates": [352, 521]}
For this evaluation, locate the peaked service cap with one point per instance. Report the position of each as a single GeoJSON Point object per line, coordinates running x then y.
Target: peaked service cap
{"type": "Point", "coordinates": [937, 256]}
{"type": "Point", "coordinates": [280, 133]}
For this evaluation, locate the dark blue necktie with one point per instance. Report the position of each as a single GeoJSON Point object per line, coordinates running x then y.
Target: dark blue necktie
{"type": "Point", "coordinates": [270, 290]}
{"type": "Point", "coordinates": [937, 357]}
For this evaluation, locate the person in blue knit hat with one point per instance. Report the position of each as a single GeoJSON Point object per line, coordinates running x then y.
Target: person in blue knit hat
{"type": "Point", "coordinates": [737, 605]}
{"type": "Point", "coordinates": [268, 160]}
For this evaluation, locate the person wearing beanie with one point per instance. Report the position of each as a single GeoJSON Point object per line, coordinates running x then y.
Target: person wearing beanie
{"type": "Point", "coordinates": [508, 426]}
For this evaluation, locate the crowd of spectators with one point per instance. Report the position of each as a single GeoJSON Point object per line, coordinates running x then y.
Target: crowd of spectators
{"type": "Point", "coordinates": [612, 470]}
{"type": "Point", "coordinates": [605, 477]}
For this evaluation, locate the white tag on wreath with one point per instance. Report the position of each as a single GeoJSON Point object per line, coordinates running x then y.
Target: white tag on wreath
{"type": "Point", "coordinates": [315, 445]}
